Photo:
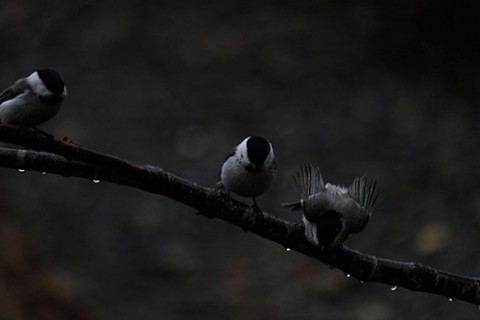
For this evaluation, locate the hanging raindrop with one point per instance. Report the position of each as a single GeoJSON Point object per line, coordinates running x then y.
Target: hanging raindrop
{"type": "Point", "coordinates": [288, 249]}
{"type": "Point", "coordinates": [43, 173]}
{"type": "Point", "coordinates": [21, 170]}
{"type": "Point", "coordinates": [348, 275]}
{"type": "Point", "coordinates": [96, 181]}
{"type": "Point", "coordinates": [393, 288]}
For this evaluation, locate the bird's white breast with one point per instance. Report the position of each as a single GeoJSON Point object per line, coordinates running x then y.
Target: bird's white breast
{"type": "Point", "coordinates": [236, 178]}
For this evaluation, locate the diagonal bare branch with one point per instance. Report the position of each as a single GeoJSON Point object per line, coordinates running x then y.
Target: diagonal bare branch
{"type": "Point", "coordinates": [68, 159]}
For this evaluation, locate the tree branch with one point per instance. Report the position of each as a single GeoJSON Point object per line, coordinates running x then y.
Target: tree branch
{"type": "Point", "coordinates": [68, 159]}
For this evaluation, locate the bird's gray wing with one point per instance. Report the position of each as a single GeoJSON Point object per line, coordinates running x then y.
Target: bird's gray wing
{"type": "Point", "coordinates": [316, 205]}
{"type": "Point", "coordinates": [309, 180]}
{"type": "Point", "coordinates": [13, 91]}
{"type": "Point", "coordinates": [364, 191]}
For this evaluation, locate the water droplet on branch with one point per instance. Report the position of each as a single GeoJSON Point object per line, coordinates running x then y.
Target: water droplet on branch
{"type": "Point", "coordinates": [393, 288]}
{"type": "Point", "coordinates": [21, 170]}
{"type": "Point", "coordinates": [96, 181]}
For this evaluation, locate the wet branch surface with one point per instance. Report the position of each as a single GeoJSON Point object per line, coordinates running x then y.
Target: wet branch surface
{"type": "Point", "coordinates": [65, 158]}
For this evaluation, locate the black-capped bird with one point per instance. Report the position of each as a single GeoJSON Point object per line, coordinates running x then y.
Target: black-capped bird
{"type": "Point", "coordinates": [250, 169]}
{"type": "Point", "coordinates": [32, 100]}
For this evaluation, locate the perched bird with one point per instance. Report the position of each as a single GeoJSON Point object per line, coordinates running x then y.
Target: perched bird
{"type": "Point", "coordinates": [331, 213]}
{"type": "Point", "coordinates": [32, 100]}
{"type": "Point", "coordinates": [250, 169]}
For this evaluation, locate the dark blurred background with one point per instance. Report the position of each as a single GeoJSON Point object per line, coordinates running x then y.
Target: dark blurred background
{"type": "Point", "coordinates": [391, 88]}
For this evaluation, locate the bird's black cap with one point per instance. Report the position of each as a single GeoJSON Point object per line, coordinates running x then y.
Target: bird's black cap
{"type": "Point", "coordinates": [52, 80]}
{"type": "Point", "coordinates": [258, 149]}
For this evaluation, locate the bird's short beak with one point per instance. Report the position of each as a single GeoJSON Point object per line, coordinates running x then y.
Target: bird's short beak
{"type": "Point", "coordinates": [252, 168]}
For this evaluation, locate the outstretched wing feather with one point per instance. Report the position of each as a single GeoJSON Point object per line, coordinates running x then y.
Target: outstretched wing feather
{"type": "Point", "coordinates": [309, 180]}
{"type": "Point", "coordinates": [364, 191]}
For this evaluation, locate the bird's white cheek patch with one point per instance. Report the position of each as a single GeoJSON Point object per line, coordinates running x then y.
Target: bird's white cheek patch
{"type": "Point", "coordinates": [37, 85]}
